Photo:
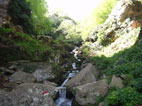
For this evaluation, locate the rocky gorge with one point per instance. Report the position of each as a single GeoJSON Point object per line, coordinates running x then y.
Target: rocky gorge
{"type": "Point", "coordinates": [61, 74]}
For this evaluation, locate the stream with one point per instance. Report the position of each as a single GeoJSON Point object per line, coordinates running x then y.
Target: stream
{"type": "Point", "coordinates": [62, 100]}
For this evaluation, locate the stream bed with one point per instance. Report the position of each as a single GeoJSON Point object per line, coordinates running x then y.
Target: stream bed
{"type": "Point", "coordinates": [62, 100]}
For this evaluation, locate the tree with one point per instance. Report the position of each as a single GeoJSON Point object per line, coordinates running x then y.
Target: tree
{"type": "Point", "coordinates": [20, 12]}
{"type": "Point", "coordinates": [39, 16]}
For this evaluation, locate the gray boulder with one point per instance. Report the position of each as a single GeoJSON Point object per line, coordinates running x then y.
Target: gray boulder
{"type": "Point", "coordinates": [116, 82]}
{"type": "Point", "coordinates": [30, 94]}
{"type": "Point", "coordinates": [86, 75]}
{"type": "Point", "coordinates": [88, 93]}
{"type": "Point", "coordinates": [4, 99]}
{"type": "Point", "coordinates": [44, 72]}
{"type": "Point", "coordinates": [22, 77]}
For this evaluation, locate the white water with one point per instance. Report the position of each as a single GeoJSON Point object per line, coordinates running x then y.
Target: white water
{"type": "Point", "coordinates": [62, 100]}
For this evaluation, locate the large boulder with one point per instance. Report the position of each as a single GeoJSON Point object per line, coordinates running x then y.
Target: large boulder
{"type": "Point", "coordinates": [4, 99]}
{"type": "Point", "coordinates": [116, 82]}
{"type": "Point", "coordinates": [22, 77]}
{"type": "Point", "coordinates": [125, 9]}
{"type": "Point", "coordinates": [44, 72]}
{"type": "Point", "coordinates": [86, 75]}
{"type": "Point", "coordinates": [88, 93]}
{"type": "Point", "coordinates": [40, 70]}
{"type": "Point", "coordinates": [30, 94]}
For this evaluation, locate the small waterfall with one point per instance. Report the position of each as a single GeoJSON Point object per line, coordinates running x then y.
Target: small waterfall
{"type": "Point", "coordinates": [62, 100]}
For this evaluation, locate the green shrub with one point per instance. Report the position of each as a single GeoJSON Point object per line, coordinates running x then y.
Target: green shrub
{"type": "Point", "coordinates": [97, 17]}
{"type": "Point", "coordinates": [138, 85]}
{"type": "Point", "coordinates": [20, 12]}
{"type": "Point", "coordinates": [102, 12]}
{"type": "Point", "coordinates": [124, 97]}
{"type": "Point", "coordinates": [102, 62]}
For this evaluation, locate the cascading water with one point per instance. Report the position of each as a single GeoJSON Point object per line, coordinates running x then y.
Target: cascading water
{"type": "Point", "coordinates": [62, 100]}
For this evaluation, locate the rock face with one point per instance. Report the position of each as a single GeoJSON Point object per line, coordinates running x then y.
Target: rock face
{"type": "Point", "coordinates": [122, 24]}
{"type": "Point", "coordinates": [44, 72]}
{"type": "Point", "coordinates": [30, 94]}
{"type": "Point", "coordinates": [116, 82]}
{"type": "Point", "coordinates": [125, 9]}
{"type": "Point", "coordinates": [22, 77]}
{"type": "Point", "coordinates": [88, 93]}
{"type": "Point", "coordinates": [4, 18]}
{"type": "Point", "coordinates": [86, 75]}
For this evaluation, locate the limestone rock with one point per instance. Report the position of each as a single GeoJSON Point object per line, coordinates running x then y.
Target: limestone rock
{"type": "Point", "coordinates": [22, 77]}
{"type": "Point", "coordinates": [116, 82]}
{"type": "Point", "coordinates": [86, 75]}
{"type": "Point", "coordinates": [125, 9]}
{"type": "Point", "coordinates": [44, 72]}
{"type": "Point", "coordinates": [88, 93]}
{"type": "Point", "coordinates": [115, 34]}
{"type": "Point", "coordinates": [4, 99]}
{"type": "Point", "coordinates": [30, 94]}
{"type": "Point", "coordinates": [10, 85]}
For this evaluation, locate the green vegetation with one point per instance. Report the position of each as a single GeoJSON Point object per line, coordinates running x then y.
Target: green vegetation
{"type": "Point", "coordinates": [17, 45]}
{"type": "Point", "coordinates": [124, 97]}
{"type": "Point", "coordinates": [20, 12]}
{"type": "Point", "coordinates": [128, 63]}
{"type": "Point", "coordinates": [98, 16]}
{"type": "Point", "coordinates": [70, 30]}
{"type": "Point", "coordinates": [41, 23]}
{"type": "Point", "coordinates": [32, 47]}
{"type": "Point", "coordinates": [32, 15]}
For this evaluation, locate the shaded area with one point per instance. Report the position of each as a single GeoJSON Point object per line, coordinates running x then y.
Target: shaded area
{"type": "Point", "coordinates": [127, 65]}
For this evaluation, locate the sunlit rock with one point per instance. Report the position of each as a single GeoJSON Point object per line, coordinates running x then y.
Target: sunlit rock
{"type": "Point", "coordinates": [88, 93]}
{"type": "Point", "coordinates": [30, 94]}
{"type": "Point", "coordinates": [86, 75]}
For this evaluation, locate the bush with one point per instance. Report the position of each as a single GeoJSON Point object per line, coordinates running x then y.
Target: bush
{"type": "Point", "coordinates": [20, 12]}
{"type": "Point", "coordinates": [124, 97]}
{"type": "Point", "coordinates": [102, 12]}
{"type": "Point", "coordinates": [98, 16]}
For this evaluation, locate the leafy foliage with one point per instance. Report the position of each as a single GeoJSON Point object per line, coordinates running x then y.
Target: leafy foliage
{"type": "Point", "coordinates": [128, 63]}
{"type": "Point", "coordinates": [98, 16]}
{"type": "Point", "coordinates": [41, 23]}
{"type": "Point", "coordinates": [20, 12]}
{"type": "Point", "coordinates": [124, 97]}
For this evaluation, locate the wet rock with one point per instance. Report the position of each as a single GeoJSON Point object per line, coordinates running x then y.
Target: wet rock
{"type": "Point", "coordinates": [22, 77]}
{"type": "Point", "coordinates": [88, 93]}
{"type": "Point", "coordinates": [30, 94]}
{"type": "Point", "coordinates": [86, 75]}
{"type": "Point", "coordinates": [116, 82]}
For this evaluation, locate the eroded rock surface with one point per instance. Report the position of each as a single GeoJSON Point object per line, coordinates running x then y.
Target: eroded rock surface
{"type": "Point", "coordinates": [112, 36]}
{"type": "Point", "coordinates": [30, 94]}
{"type": "Point", "coordinates": [116, 82]}
{"type": "Point", "coordinates": [22, 77]}
{"type": "Point", "coordinates": [86, 75]}
{"type": "Point", "coordinates": [88, 93]}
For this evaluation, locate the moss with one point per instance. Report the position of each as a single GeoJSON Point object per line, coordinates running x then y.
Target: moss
{"type": "Point", "coordinates": [29, 68]}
